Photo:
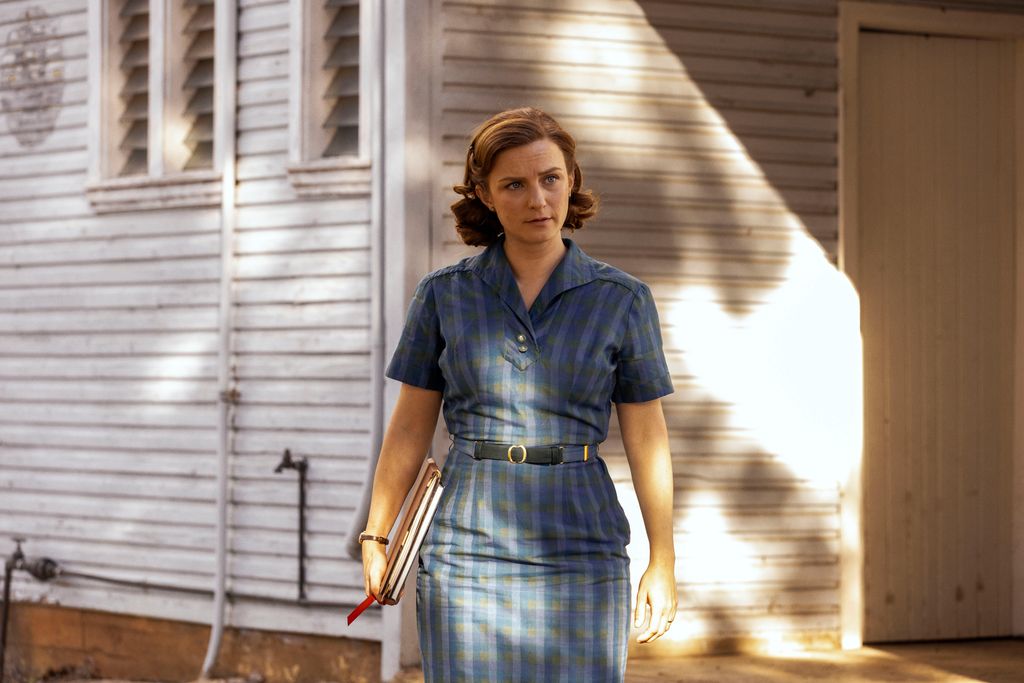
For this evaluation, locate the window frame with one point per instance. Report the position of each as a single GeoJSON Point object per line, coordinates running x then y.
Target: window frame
{"type": "Point", "coordinates": [165, 184]}
{"type": "Point", "coordinates": [310, 173]}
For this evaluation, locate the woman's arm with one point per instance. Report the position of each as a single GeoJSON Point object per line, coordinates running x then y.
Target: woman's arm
{"type": "Point", "coordinates": [401, 454]}
{"type": "Point", "coordinates": [645, 437]}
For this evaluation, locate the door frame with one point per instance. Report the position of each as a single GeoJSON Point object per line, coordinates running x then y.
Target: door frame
{"type": "Point", "coordinates": [853, 16]}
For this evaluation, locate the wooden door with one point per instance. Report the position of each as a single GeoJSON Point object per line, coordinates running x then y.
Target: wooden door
{"type": "Point", "coordinates": [936, 280]}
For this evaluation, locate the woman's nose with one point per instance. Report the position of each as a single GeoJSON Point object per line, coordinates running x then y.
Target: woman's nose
{"type": "Point", "coordinates": [537, 198]}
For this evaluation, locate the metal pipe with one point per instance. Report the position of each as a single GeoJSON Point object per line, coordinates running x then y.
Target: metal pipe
{"type": "Point", "coordinates": [8, 571]}
{"type": "Point", "coordinates": [133, 583]}
{"type": "Point", "coordinates": [42, 568]}
{"type": "Point", "coordinates": [225, 96]}
{"type": "Point", "coordinates": [46, 569]}
{"type": "Point", "coordinates": [301, 465]}
{"type": "Point", "coordinates": [230, 595]}
{"type": "Point", "coordinates": [15, 560]}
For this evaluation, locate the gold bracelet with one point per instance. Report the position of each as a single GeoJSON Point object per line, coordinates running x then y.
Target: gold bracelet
{"type": "Point", "coordinates": [372, 537]}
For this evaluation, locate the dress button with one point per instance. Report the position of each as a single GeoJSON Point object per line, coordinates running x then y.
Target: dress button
{"type": "Point", "coordinates": [522, 348]}
{"type": "Point", "coordinates": [521, 338]}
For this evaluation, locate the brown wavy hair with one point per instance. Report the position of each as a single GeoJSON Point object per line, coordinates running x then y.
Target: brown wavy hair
{"type": "Point", "coordinates": [479, 226]}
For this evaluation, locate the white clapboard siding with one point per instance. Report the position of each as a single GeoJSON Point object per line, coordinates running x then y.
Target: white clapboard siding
{"type": "Point", "coordinates": [109, 389]}
{"type": "Point", "coordinates": [62, 139]}
{"type": "Point", "coordinates": [117, 225]}
{"type": "Point", "coordinates": [301, 350]}
{"type": "Point", "coordinates": [33, 305]}
{"type": "Point", "coordinates": [108, 358]}
{"type": "Point", "coordinates": [119, 509]}
{"type": "Point", "coordinates": [709, 131]}
{"type": "Point", "coordinates": [156, 462]}
{"type": "Point", "coordinates": [251, 520]}
{"type": "Point", "coordinates": [104, 532]}
{"type": "Point", "coordinates": [41, 164]}
{"type": "Point", "coordinates": [15, 10]}
{"type": "Point", "coordinates": [108, 350]}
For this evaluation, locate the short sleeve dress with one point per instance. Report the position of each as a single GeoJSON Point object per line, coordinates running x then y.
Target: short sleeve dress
{"type": "Point", "coordinates": [524, 575]}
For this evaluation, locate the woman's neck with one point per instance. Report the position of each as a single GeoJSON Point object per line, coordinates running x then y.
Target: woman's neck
{"type": "Point", "coordinates": [534, 262]}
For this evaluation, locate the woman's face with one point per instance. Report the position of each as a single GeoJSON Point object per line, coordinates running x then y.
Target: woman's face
{"type": "Point", "coordinates": [528, 188]}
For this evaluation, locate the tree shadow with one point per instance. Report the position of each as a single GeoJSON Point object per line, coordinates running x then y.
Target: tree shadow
{"type": "Point", "coordinates": [710, 134]}
{"type": "Point", "coordinates": [728, 168]}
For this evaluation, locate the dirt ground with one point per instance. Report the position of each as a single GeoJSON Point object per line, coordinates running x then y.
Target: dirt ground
{"type": "Point", "coordinates": [982, 661]}
{"type": "Point", "coordinates": [979, 661]}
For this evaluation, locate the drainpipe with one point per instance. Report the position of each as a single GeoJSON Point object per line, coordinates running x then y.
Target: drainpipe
{"type": "Point", "coordinates": [12, 563]}
{"type": "Point", "coordinates": [42, 568]}
{"type": "Point", "coordinates": [225, 93]}
{"type": "Point", "coordinates": [300, 465]}
{"type": "Point", "coordinates": [376, 277]}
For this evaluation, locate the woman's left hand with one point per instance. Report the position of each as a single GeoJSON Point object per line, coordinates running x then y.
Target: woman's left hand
{"type": "Point", "coordinates": [655, 601]}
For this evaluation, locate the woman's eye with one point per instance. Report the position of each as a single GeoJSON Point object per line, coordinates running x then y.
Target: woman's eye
{"type": "Point", "coordinates": [514, 185]}
{"type": "Point", "coordinates": [552, 179]}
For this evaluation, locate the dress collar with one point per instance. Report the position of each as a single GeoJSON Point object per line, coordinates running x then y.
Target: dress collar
{"type": "Point", "coordinates": [492, 266]}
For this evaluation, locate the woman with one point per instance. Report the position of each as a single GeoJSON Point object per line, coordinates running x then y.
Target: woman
{"type": "Point", "coordinates": [524, 574]}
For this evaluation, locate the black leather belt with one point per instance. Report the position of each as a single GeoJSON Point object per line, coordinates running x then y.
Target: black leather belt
{"type": "Point", "coordinates": [531, 455]}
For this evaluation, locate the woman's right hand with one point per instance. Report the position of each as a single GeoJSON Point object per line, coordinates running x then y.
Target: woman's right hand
{"type": "Point", "coordinates": [406, 439]}
{"type": "Point", "coordinates": [375, 561]}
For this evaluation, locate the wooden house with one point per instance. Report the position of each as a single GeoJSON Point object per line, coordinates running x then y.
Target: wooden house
{"type": "Point", "coordinates": [213, 214]}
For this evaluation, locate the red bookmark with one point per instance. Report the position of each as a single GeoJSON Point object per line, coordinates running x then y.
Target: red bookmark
{"type": "Point", "coordinates": [359, 610]}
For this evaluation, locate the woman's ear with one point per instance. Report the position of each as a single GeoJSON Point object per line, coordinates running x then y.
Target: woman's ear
{"type": "Point", "coordinates": [483, 195]}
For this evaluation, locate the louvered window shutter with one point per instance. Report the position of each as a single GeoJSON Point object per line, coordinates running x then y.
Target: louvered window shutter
{"type": "Point", "coordinates": [199, 84]}
{"type": "Point", "coordinates": [342, 94]}
{"type": "Point", "coordinates": [134, 43]}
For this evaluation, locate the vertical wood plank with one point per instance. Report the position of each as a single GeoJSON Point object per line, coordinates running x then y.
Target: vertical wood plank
{"type": "Point", "coordinates": [1004, 75]}
{"type": "Point", "coordinates": [945, 457]}
{"type": "Point", "coordinates": [1017, 133]}
{"type": "Point", "coordinates": [872, 268]}
{"type": "Point", "coordinates": [936, 285]}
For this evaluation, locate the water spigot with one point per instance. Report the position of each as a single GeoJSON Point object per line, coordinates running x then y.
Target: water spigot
{"type": "Point", "coordinates": [287, 463]}
{"type": "Point", "coordinates": [17, 557]}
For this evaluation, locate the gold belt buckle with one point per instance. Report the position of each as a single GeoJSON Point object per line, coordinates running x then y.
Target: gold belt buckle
{"type": "Point", "coordinates": [513, 460]}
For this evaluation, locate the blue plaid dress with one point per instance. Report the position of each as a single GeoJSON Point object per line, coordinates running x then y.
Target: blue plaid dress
{"type": "Point", "coordinates": [524, 574]}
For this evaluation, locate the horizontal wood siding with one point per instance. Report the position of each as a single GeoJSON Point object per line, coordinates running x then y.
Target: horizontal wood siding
{"type": "Point", "coordinates": [302, 362]}
{"type": "Point", "coordinates": [708, 128]}
{"type": "Point", "coordinates": [108, 366]}
{"type": "Point", "coordinates": [999, 6]}
{"type": "Point", "coordinates": [709, 131]}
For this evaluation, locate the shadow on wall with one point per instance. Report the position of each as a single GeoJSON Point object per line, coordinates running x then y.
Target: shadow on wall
{"type": "Point", "coordinates": [710, 133]}
{"type": "Point", "coordinates": [766, 327]}
{"type": "Point", "coordinates": [711, 136]}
